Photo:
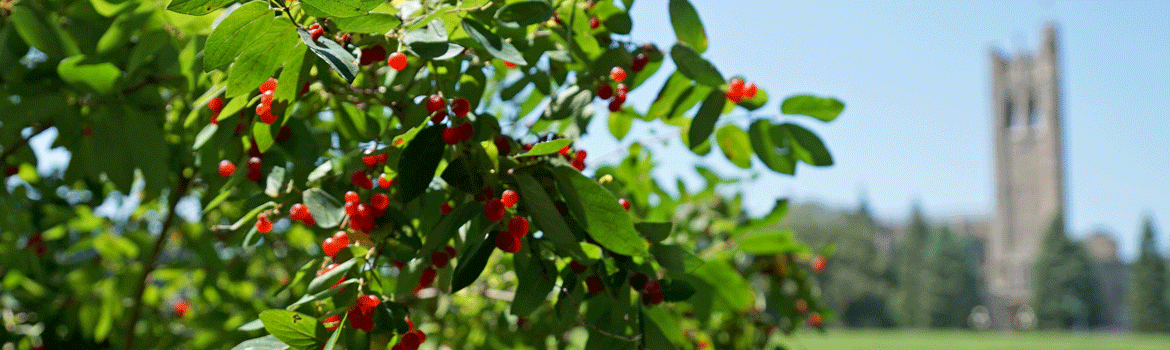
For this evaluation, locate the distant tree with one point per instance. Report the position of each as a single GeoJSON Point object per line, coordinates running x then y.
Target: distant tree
{"type": "Point", "coordinates": [1065, 285]}
{"type": "Point", "coordinates": [913, 277]}
{"type": "Point", "coordinates": [953, 282]}
{"type": "Point", "coordinates": [1147, 292]}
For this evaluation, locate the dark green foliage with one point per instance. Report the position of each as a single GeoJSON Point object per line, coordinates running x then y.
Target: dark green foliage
{"type": "Point", "coordinates": [1065, 290]}
{"type": "Point", "coordinates": [913, 273]}
{"type": "Point", "coordinates": [1147, 303]}
{"type": "Point", "coordinates": [954, 286]}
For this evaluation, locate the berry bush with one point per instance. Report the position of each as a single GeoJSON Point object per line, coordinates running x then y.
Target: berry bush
{"type": "Point", "coordinates": [325, 174]}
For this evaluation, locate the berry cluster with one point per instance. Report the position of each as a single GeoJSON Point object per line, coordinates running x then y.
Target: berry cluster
{"type": "Point", "coordinates": [362, 215]}
{"type": "Point", "coordinates": [334, 244]}
{"type": "Point", "coordinates": [299, 212]}
{"type": "Point", "coordinates": [737, 90]}
{"type": "Point", "coordinates": [495, 209]}
{"type": "Point", "coordinates": [651, 289]}
{"type": "Point", "coordinates": [411, 340]}
{"type": "Point", "coordinates": [264, 109]}
{"type": "Point", "coordinates": [361, 315]}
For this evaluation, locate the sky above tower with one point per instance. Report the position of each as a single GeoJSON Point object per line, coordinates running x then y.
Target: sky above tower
{"type": "Point", "coordinates": [916, 82]}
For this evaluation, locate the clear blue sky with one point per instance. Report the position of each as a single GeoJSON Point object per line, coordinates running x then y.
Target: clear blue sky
{"type": "Point", "coordinates": [914, 76]}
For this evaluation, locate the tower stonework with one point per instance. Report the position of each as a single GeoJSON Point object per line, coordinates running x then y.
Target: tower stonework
{"type": "Point", "coordinates": [1029, 169]}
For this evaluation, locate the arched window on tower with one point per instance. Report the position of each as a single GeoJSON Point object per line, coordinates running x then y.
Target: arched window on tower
{"type": "Point", "coordinates": [1032, 117]}
{"type": "Point", "coordinates": [1008, 111]}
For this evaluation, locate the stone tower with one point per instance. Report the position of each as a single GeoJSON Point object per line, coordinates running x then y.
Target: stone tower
{"type": "Point", "coordinates": [1029, 169]}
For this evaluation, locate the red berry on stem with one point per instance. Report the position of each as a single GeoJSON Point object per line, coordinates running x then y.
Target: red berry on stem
{"type": "Point", "coordinates": [316, 33]}
{"type": "Point", "coordinates": [617, 74]}
{"type": "Point", "coordinates": [615, 105]}
{"type": "Point", "coordinates": [507, 242]}
{"type": "Point", "coordinates": [254, 163]}
{"type": "Point", "coordinates": [640, 61]}
{"type": "Point", "coordinates": [450, 251]}
{"type": "Point", "coordinates": [332, 322]}
{"type": "Point", "coordinates": [360, 320]}
{"type": "Point", "coordinates": [284, 133]}
{"type": "Point", "coordinates": [385, 182]}
{"type": "Point", "coordinates": [622, 89]}
{"type": "Point", "coordinates": [377, 53]}
{"type": "Point", "coordinates": [518, 226]}
{"type": "Point", "coordinates": [735, 89]}
{"type": "Point", "coordinates": [427, 278]}
{"type": "Point", "coordinates": [509, 198]}
{"type": "Point", "coordinates": [181, 308]}
{"type": "Point", "coordinates": [380, 201]}
{"type": "Point", "coordinates": [366, 303]}
{"type": "Point", "coordinates": [255, 175]}
{"type": "Point", "coordinates": [445, 208]}
{"type": "Point", "coordinates": [750, 90]}
{"type": "Point", "coordinates": [594, 23]}
{"type": "Point", "coordinates": [625, 203]}
{"type": "Point", "coordinates": [268, 118]}
{"type": "Point", "coordinates": [493, 209]}
{"type": "Point", "coordinates": [397, 61]}
{"type": "Point", "coordinates": [226, 168]}
{"type": "Point", "coordinates": [638, 281]}
{"type": "Point", "coordinates": [263, 225]}
{"type": "Point", "coordinates": [215, 105]}
{"type": "Point", "coordinates": [814, 319]}
{"type": "Point", "coordinates": [268, 85]}
{"type": "Point", "coordinates": [604, 91]}
{"type": "Point", "coordinates": [801, 306]}
{"type": "Point", "coordinates": [438, 117]}
{"type": "Point", "coordinates": [266, 97]}
{"type": "Point", "coordinates": [263, 109]}
{"type": "Point", "coordinates": [581, 155]}
{"type": "Point", "coordinates": [435, 103]}
{"type": "Point", "coordinates": [359, 179]}
{"type": "Point", "coordinates": [577, 267]}
{"type": "Point", "coordinates": [509, 64]}
{"type": "Point", "coordinates": [451, 135]}
{"type": "Point", "coordinates": [594, 284]}
{"type": "Point", "coordinates": [440, 259]}
{"type": "Point", "coordinates": [818, 264]}
{"type": "Point", "coordinates": [502, 145]}
{"type": "Point", "coordinates": [334, 244]}
{"type": "Point", "coordinates": [352, 197]}
{"type": "Point", "coordinates": [460, 106]}
{"type": "Point", "coordinates": [466, 130]}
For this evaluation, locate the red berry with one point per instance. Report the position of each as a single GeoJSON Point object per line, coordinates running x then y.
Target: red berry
{"type": "Point", "coordinates": [440, 259]}
{"type": "Point", "coordinates": [466, 131]}
{"type": "Point", "coordinates": [380, 201]}
{"type": "Point", "coordinates": [617, 74]}
{"type": "Point", "coordinates": [359, 320]}
{"type": "Point", "coordinates": [266, 97]}
{"type": "Point", "coordinates": [370, 161]}
{"type": "Point", "coordinates": [255, 175]}
{"type": "Point", "coordinates": [332, 322]}
{"type": "Point", "coordinates": [565, 150]}
{"type": "Point", "coordinates": [735, 89]}
{"type": "Point", "coordinates": [351, 208]}
{"type": "Point", "coordinates": [625, 203]}
{"type": "Point", "coordinates": [622, 89]}
{"type": "Point", "coordinates": [818, 264]}
{"type": "Point", "coordinates": [509, 64]}
{"type": "Point", "coordinates": [460, 106]}
{"type": "Point", "coordinates": [503, 147]}
{"type": "Point", "coordinates": [581, 155]}
{"type": "Point", "coordinates": [254, 163]}
{"type": "Point", "coordinates": [604, 91]}
{"type": "Point", "coordinates": [373, 54]}
{"type": "Point", "coordinates": [352, 197]}
{"type": "Point", "coordinates": [484, 193]}
{"type": "Point", "coordinates": [494, 209]}
{"type": "Point", "coordinates": [435, 103]}
{"type": "Point", "coordinates": [268, 85]}
{"type": "Point", "coordinates": [814, 319]}
{"type": "Point", "coordinates": [226, 168]}
{"type": "Point", "coordinates": [334, 244]}
{"type": "Point", "coordinates": [268, 118]}
{"type": "Point", "coordinates": [509, 198]}
{"type": "Point", "coordinates": [577, 267]}
{"type": "Point", "coordinates": [594, 284]}
{"type": "Point", "coordinates": [385, 182]}
{"type": "Point", "coordinates": [181, 308]}
{"type": "Point", "coordinates": [214, 120]}
{"type": "Point", "coordinates": [640, 61]}
{"type": "Point", "coordinates": [284, 133]}
{"type": "Point", "coordinates": [750, 90]}
{"type": "Point", "coordinates": [518, 226]}
{"type": "Point", "coordinates": [305, 88]}
{"type": "Point", "coordinates": [397, 61]}
{"type": "Point", "coordinates": [427, 278]}
{"type": "Point", "coordinates": [445, 208]}
{"type": "Point", "coordinates": [263, 109]}
{"type": "Point", "coordinates": [594, 23]}
{"type": "Point", "coordinates": [316, 33]}
{"type": "Point", "coordinates": [615, 105]}
{"type": "Point", "coordinates": [451, 135]}
{"type": "Point", "coordinates": [438, 117]}
{"type": "Point", "coordinates": [263, 225]}
{"type": "Point", "coordinates": [359, 179]}
{"type": "Point", "coordinates": [450, 251]}
{"type": "Point", "coordinates": [801, 306]}
{"type": "Point", "coordinates": [366, 303]}
{"type": "Point", "coordinates": [298, 212]}
{"type": "Point", "coordinates": [412, 339]}
{"type": "Point", "coordinates": [215, 105]}
{"type": "Point", "coordinates": [507, 242]}
{"type": "Point", "coordinates": [578, 164]}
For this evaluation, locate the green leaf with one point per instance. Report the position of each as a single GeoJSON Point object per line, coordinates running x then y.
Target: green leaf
{"type": "Point", "coordinates": [32, 28]}
{"type": "Point", "coordinates": [255, 325]}
{"type": "Point", "coordinates": [729, 284]}
{"type": "Point", "coordinates": [267, 342]}
{"type": "Point", "coordinates": [235, 34]}
{"type": "Point", "coordinates": [291, 76]}
{"type": "Point", "coordinates": [89, 74]}
{"type": "Point", "coordinates": [320, 172]}
{"type": "Point", "coordinates": [524, 13]}
{"type": "Point", "coordinates": [150, 152]}
{"type": "Point", "coordinates": [756, 102]}
{"type": "Point", "coordinates": [735, 145]}
{"type": "Point", "coordinates": [325, 209]}
{"type": "Point", "coordinates": [335, 8]}
{"type": "Point", "coordinates": [619, 23]}
{"type": "Point", "coordinates": [570, 102]}
{"type": "Point", "coordinates": [694, 66]}
{"type": "Point", "coordinates": [196, 7]}
{"type": "Point", "coordinates": [772, 147]}
{"type": "Point", "coordinates": [374, 23]}
{"type": "Point", "coordinates": [654, 231]}
{"type": "Point", "coordinates": [535, 277]}
{"type": "Point", "coordinates": [273, 186]}
{"type": "Point", "coordinates": [322, 295]}
{"type": "Point", "coordinates": [687, 26]}
{"type": "Point", "coordinates": [807, 146]}
{"type": "Point", "coordinates": [767, 242]}
{"type": "Point", "coordinates": [604, 219]}
{"type": "Point", "coordinates": [704, 122]}
{"type": "Point", "coordinates": [470, 268]}
{"type": "Point", "coordinates": [295, 329]}
{"type": "Point", "coordinates": [677, 290]}
{"type": "Point", "coordinates": [335, 56]}
{"type": "Point", "coordinates": [205, 134]}
{"type": "Point", "coordinates": [328, 279]}
{"type": "Point", "coordinates": [823, 108]}
{"type": "Point", "coordinates": [544, 148]}
{"type": "Point", "coordinates": [547, 218]}
{"type": "Point", "coordinates": [263, 56]}
{"type": "Point", "coordinates": [673, 89]}
{"type": "Point", "coordinates": [449, 225]}
{"type": "Point", "coordinates": [619, 123]}
{"type": "Point", "coordinates": [431, 41]}
{"type": "Point", "coordinates": [391, 317]}
{"type": "Point", "coordinates": [662, 329]}
{"type": "Point", "coordinates": [675, 258]}
{"type": "Point", "coordinates": [416, 168]}
{"type": "Point", "coordinates": [494, 45]}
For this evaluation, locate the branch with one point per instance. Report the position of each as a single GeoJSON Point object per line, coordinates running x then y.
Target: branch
{"type": "Point", "coordinates": [37, 130]}
{"type": "Point", "coordinates": [151, 260]}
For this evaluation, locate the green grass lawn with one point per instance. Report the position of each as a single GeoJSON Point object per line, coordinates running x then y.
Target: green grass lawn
{"type": "Point", "coordinates": [962, 340]}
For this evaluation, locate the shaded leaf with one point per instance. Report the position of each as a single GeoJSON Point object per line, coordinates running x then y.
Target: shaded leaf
{"type": "Point", "coordinates": [603, 218]}
{"type": "Point", "coordinates": [326, 211]}
{"type": "Point", "coordinates": [524, 13]}
{"type": "Point", "coordinates": [704, 122]}
{"type": "Point", "coordinates": [335, 56]}
{"type": "Point", "coordinates": [491, 42]}
{"type": "Point", "coordinates": [687, 26]}
{"type": "Point", "coordinates": [416, 168]}
{"type": "Point", "coordinates": [295, 329]}
{"type": "Point", "coordinates": [694, 66]}
{"type": "Point", "coordinates": [735, 145]}
{"type": "Point", "coordinates": [823, 108]}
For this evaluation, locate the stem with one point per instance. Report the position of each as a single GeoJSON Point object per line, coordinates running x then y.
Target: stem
{"type": "Point", "coordinates": [148, 267]}
{"type": "Point", "coordinates": [37, 130]}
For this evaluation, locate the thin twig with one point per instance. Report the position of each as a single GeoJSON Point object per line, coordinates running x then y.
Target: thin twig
{"type": "Point", "coordinates": [149, 265]}
{"type": "Point", "coordinates": [23, 142]}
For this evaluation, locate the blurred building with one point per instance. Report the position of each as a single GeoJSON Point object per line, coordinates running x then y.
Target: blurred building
{"type": "Point", "coordinates": [1029, 173]}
